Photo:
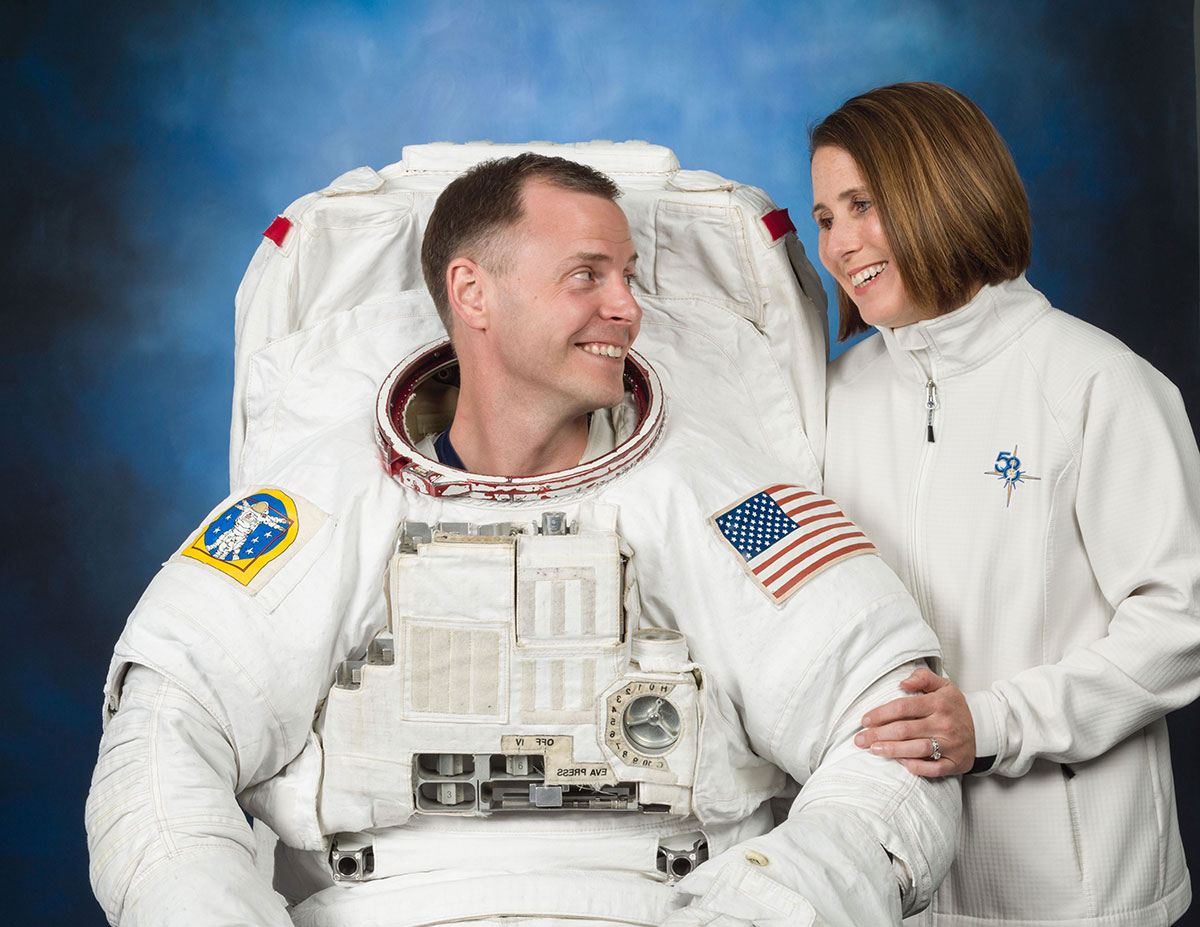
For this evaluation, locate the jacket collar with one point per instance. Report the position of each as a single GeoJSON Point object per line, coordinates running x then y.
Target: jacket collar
{"type": "Point", "coordinates": [967, 337]}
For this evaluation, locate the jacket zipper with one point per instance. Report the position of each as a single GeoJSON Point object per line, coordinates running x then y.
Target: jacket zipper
{"type": "Point", "coordinates": [931, 403]}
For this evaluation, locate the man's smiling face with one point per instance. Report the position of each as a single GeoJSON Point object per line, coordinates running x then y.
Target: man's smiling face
{"type": "Point", "coordinates": [566, 317]}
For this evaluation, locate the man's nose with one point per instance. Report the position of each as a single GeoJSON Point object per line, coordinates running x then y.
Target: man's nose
{"type": "Point", "coordinates": [621, 305]}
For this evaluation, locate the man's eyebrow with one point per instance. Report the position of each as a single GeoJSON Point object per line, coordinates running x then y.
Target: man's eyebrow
{"type": "Point", "coordinates": [844, 195]}
{"type": "Point", "coordinates": [595, 257]}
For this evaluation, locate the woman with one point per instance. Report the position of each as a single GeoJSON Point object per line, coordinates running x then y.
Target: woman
{"type": "Point", "coordinates": [1037, 487]}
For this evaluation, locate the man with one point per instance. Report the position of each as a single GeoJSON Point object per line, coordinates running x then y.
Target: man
{"type": "Point", "coordinates": [511, 745]}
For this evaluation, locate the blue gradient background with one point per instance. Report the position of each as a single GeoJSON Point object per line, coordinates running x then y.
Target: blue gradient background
{"type": "Point", "coordinates": [146, 146]}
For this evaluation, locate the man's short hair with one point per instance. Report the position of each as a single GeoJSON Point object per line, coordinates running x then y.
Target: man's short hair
{"type": "Point", "coordinates": [477, 207]}
{"type": "Point", "coordinates": [949, 196]}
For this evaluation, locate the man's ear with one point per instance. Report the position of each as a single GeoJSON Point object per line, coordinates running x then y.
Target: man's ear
{"type": "Point", "coordinates": [466, 284]}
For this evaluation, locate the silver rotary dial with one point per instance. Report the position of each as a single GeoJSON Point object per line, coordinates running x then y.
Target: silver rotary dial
{"type": "Point", "coordinates": [651, 723]}
{"type": "Point", "coordinates": [643, 724]}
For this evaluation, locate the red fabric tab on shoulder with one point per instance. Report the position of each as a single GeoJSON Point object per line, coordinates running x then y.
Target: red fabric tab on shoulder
{"type": "Point", "coordinates": [277, 230]}
{"type": "Point", "coordinates": [778, 224]}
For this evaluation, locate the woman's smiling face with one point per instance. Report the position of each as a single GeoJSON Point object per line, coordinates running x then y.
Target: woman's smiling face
{"type": "Point", "coordinates": [853, 246]}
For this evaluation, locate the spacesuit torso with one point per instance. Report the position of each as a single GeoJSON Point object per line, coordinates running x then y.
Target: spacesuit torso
{"type": "Point", "coordinates": [511, 714]}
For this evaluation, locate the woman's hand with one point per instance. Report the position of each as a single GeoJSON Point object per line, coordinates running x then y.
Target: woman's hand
{"type": "Point", "coordinates": [907, 727]}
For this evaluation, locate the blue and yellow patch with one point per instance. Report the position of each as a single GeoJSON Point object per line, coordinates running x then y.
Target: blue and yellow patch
{"type": "Point", "coordinates": [248, 535]}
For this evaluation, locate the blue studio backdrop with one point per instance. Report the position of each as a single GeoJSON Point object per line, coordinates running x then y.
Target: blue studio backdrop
{"type": "Point", "coordinates": [145, 147]}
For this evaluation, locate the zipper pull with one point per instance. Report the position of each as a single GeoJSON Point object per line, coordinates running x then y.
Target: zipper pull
{"type": "Point", "coordinates": [930, 404]}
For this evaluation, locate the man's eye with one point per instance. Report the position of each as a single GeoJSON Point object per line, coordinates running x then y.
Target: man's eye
{"type": "Point", "coordinates": [631, 280]}
{"type": "Point", "coordinates": [584, 275]}
{"type": "Point", "coordinates": [825, 222]}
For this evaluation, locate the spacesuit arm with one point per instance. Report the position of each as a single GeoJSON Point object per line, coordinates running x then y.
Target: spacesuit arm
{"type": "Point", "coordinates": [168, 843]}
{"type": "Point", "coordinates": [1138, 513]}
{"type": "Point", "coordinates": [865, 842]}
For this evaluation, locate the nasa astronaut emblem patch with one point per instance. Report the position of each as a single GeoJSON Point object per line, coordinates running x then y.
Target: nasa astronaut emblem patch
{"type": "Point", "coordinates": [247, 536]}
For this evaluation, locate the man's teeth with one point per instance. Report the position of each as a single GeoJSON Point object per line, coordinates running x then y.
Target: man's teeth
{"type": "Point", "coordinates": [604, 350]}
{"type": "Point", "coordinates": [867, 273]}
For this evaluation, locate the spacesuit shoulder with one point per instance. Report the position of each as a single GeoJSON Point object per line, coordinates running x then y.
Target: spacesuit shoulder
{"type": "Point", "coordinates": [273, 587]}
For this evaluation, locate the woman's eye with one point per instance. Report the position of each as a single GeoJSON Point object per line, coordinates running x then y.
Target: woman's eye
{"type": "Point", "coordinates": [630, 280]}
{"type": "Point", "coordinates": [861, 205]}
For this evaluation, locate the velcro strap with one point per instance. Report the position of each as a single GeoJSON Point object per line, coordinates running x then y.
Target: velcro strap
{"type": "Point", "coordinates": [277, 230]}
{"type": "Point", "coordinates": [778, 224]}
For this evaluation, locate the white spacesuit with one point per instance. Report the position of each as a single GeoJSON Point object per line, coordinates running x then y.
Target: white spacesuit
{"type": "Point", "coordinates": [458, 697]}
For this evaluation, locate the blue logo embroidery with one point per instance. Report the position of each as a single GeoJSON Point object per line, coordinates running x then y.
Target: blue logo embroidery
{"type": "Point", "coordinates": [1008, 470]}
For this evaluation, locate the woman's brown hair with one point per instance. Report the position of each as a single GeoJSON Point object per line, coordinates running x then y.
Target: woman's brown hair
{"type": "Point", "coordinates": [948, 194]}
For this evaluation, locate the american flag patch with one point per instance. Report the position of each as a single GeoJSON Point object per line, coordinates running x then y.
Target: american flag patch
{"type": "Point", "coordinates": [787, 535]}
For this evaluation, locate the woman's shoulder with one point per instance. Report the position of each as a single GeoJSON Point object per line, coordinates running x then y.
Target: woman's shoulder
{"type": "Point", "coordinates": [1084, 371]}
{"type": "Point", "coordinates": [1071, 353]}
{"type": "Point", "coordinates": [1074, 341]}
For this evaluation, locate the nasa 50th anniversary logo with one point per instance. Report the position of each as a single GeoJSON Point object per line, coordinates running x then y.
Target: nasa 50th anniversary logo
{"type": "Point", "coordinates": [1009, 471]}
{"type": "Point", "coordinates": [248, 535]}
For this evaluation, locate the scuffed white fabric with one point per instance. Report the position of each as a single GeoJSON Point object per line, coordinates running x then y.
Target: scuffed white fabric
{"type": "Point", "coordinates": [172, 845]}
{"type": "Point", "coordinates": [1067, 601]}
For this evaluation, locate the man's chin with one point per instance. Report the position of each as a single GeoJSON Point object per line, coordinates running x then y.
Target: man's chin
{"type": "Point", "coordinates": [611, 398]}
{"type": "Point", "coordinates": [601, 396]}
